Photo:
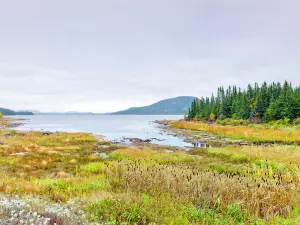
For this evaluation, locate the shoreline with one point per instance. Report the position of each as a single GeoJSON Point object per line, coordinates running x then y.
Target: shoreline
{"type": "Point", "coordinates": [8, 122]}
{"type": "Point", "coordinates": [212, 134]}
{"type": "Point", "coordinates": [191, 136]}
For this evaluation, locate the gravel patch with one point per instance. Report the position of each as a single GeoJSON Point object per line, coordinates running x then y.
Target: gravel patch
{"type": "Point", "coordinates": [16, 211]}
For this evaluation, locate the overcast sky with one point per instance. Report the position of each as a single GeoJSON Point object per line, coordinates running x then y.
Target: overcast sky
{"type": "Point", "coordinates": [101, 56]}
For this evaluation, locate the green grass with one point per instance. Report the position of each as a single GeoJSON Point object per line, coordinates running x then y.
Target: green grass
{"type": "Point", "coordinates": [95, 167]}
{"type": "Point", "coordinates": [152, 156]}
{"type": "Point", "coordinates": [146, 209]}
{"type": "Point", "coordinates": [64, 189]}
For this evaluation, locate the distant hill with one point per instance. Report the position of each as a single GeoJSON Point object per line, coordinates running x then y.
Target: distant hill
{"type": "Point", "coordinates": [9, 112]}
{"type": "Point", "coordinates": [172, 106]}
{"type": "Point", "coordinates": [25, 113]}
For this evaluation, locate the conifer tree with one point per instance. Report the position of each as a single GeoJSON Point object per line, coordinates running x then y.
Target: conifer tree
{"type": "Point", "coordinates": [268, 101]}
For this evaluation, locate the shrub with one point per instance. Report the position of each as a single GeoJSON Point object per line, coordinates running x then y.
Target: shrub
{"type": "Point", "coordinates": [96, 167]}
{"type": "Point", "coordinates": [234, 211]}
{"type": "Point", "coordinates": [198, 118]}
{"type": "Point", "coordinates": [216, 167]}
{"type": "Point", "coordinates": [221, 117]}
{"type": "Point", "coordinates": [212, 117]}
{"type": "Point", "coordinates": [280, 123]}
{"type": "Point", "coordinates": [296, 121]}
{"type": "Point", "coordinates": [235, 117]}
{"type": "Point", "coordinates": [232, 122]}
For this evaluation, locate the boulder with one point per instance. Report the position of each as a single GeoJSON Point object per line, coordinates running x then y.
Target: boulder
{"type": "Point", "coordinates": [47, 133]}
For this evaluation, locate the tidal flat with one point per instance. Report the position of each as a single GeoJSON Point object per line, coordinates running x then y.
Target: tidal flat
{"type": "Point", "coordinates": [78, 178]}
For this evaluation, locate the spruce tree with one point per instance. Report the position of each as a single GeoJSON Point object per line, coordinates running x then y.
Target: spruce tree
{"type": "Point", "coordinates": [268, 101]}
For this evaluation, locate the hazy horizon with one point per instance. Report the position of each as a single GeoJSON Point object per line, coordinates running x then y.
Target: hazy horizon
{"type": "Point", "coordinates": [39, 111]}
{"type": "Point", "coordinates": [99, 56]}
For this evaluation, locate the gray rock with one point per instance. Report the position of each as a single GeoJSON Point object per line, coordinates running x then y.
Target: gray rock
{"type": "Point", "coordinates": [169, 151]}
{"type": "Point", "coordinates": [103, 146]}
{"type": "Point", "coordinates": [138, 140]}
{"type": "Point", "coordinates": [19, 211]}
{"type": "Point", "coordinates": [20, 154]}
{"type": "Point", "coordinates": [47, 133]}
{"type": "Point", "coordinates": [102, 155]}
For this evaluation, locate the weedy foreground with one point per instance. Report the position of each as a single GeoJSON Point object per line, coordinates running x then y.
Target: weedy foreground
{"type": "Point", "coordinates": [74, 178]}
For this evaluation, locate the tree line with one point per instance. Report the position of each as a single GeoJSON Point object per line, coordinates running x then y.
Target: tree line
{"type": "Point", "coordinates": [9, 112]}
{"type": "Point", "coordinates": [263, 103]}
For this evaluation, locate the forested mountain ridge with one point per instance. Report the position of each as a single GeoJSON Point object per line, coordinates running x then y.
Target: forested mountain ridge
{"type": "Point", "coordinates": [5, 111]}
{"type": "Point", "coordinates": [173, 106]}
{"type": "Point", "coordinates": [9, 112]}
{"type": "Point", "coordinates": [267, 102]}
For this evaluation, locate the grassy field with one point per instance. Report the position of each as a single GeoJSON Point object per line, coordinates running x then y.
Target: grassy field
{"type": "Point", "coordinates": [288, 135]}
{"type": "Point", "coordinates": [245, 185]}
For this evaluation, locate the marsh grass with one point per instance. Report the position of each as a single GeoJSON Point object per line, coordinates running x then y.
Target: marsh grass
{"type": "Point", "coordinates": [284, 154]}
{"type": "Point", "coordinates": [287, 135]}
{"type": "Point", "coordinates": [205, 189]}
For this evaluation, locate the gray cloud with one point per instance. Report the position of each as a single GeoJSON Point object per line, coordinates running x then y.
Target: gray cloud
{"type": "Point", "coordinates": [108, 55]}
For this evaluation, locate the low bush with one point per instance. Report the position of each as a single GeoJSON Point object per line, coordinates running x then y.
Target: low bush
{"type": "Point", "coordinates": [296, 121]}
{"type": "Point", "coordinates": [95, 167]}
{"type": "Point", "coordinates": [234, 211]}
{"type": "Point", "coordinates": [232, 122]}
{"type": "Point", "coordinates": [221, 117]}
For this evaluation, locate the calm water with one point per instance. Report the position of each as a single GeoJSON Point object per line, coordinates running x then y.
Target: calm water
{"type": "Point", "coordinates": [113, 127]}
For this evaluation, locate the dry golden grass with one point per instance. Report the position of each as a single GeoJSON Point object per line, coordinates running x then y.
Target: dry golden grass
{"type": "Point", "coordinates": [254, 134]}
{"type": "Point", "coordinates": [278, 153]}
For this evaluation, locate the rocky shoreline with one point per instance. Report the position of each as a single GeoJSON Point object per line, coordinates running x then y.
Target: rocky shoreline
{"type": "Point", "coordinates": [191, 136]}
{"type": "Point", "coordinates": [7, 123]}
{"type": "Point", "coordinates": [200, 136]}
